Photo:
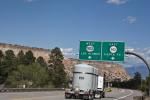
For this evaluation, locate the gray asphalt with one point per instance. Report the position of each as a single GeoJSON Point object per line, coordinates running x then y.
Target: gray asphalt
{"type": "Point", "coordinates": [116, 94]}
{"type": "Point", "coordinates": [122, 94]}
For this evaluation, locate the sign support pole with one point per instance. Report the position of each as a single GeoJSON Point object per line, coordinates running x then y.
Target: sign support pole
{"type": "Point", "coordinates": [148, 66]}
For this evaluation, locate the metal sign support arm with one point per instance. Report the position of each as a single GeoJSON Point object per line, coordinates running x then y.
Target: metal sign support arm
{"type": "Point", "coordinates": [137, 55]}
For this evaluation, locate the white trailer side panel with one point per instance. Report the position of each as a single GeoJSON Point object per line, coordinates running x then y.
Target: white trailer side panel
{"type": "Point", "coordinates": [100, 82]}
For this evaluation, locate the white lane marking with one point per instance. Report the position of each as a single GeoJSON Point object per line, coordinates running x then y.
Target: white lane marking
{"type": "Point", "coordinates": [131, 92]}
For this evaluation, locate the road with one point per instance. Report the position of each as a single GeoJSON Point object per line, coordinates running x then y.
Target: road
{"type": "Point", "coordinates": [116, 94]}
{"type": "Point", "coordinates": [122, 94]}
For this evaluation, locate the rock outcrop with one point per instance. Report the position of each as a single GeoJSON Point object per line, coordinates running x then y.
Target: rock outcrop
{"type": "Point", "coordinates": [16, 48]}
{"type": "Point", "coordinates": [112, 71]}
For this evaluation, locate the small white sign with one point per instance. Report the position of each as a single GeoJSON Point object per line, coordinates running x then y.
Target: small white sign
{"type": "Point", "coordinates": [89, 48]}
{"type": "Point", "coordinates": [113, 49]}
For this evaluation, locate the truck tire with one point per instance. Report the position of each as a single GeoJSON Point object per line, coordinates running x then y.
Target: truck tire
{"type": "Point", "coordinates": [66, 97]}
{"type": "Point", "coordinates": [103, 95]}
{"type": "Point", "coordinates": [97, 96]}
{"type": "Point", "coordinates": [91, 97]}
{"type": "Point", "coordinates": [72, 97]}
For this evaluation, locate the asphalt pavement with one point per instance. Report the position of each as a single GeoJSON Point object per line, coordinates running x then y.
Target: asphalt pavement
{"type": "Point", "coordinates": [116, 94]}
{"type": "Point", "coordinates": [122, 94]}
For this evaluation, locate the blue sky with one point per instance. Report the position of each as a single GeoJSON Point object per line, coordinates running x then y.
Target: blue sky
{"type": "Point", "coordinates": [63, 23]}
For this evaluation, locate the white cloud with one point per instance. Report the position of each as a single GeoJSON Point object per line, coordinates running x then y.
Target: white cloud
{"type": "Point", "coordinates": [146, 52]}
{"type": "Point", "coordinates": [130, 19]}
{"type": "Point", "coordinates": [29, 0]}
{"type": "Point", "coordinates": [116, 2]}
{"type": "Point", "coordinates": [130, 49]}
{"type": "Point", "coordinates": [130, 56]}
{"type": "Point", "coordinates": [69, 52]}
{"type": "Point", "coordinates": [133, 60]}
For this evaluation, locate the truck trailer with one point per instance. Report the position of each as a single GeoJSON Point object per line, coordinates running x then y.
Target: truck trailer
{"type": "Point", "coordinates": [86, 84]}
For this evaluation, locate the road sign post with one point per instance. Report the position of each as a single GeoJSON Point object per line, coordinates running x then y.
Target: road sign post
{"type": "Point", "coordinates": [146, 63]}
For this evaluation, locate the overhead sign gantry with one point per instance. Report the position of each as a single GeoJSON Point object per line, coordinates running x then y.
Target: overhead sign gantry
{"type": "Point", "coordinates": [101, 51]}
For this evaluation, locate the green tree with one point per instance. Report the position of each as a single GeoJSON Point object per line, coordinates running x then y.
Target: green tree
{"type": "Point", "coordinates": [8, 64]}
{"type": "Point", "coordinates": [1, 69]}
{"type": "Point", "coordinates": [1, 56]}
{"type": "Point", "coordinates": [10, 59]}
{"type": "Point", "coordinates": [57, 67]}
{"type": "Point", "coordinates": [143, 86]}
{"type": "Point", "coordinates": [21, 58]}
{"type": "Point", "coordinates": [137, 80]}
{"type": "Point", "coordinates": [41, 61]}
{"type": "Point", "coordinates": [146, 87]}
{"type": "Point", "coordinates": [32, 76]}
{"type": "Point", "coordinates": [29, 58]}
{"type": "Point", "coordinates": [134, 83]}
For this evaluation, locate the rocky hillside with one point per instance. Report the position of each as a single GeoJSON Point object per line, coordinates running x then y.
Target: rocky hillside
{"type": "Point", "coordinates": [16, 48]}
{"type": "Point", "coordinates": [113, 71]}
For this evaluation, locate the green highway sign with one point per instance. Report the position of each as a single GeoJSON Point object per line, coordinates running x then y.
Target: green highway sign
{"type": "Point", "coordinates": [90, 50]}
{"type": "Point", "coordinates": [113, 51]}
{"type": "Point", "coordinates": [101, 51]}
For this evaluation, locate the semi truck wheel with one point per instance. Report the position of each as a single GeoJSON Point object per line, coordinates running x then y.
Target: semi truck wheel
{"type": "Point", "coordinates": [91, 97]}
{"type": "Point", "coordinates": [103, 94]}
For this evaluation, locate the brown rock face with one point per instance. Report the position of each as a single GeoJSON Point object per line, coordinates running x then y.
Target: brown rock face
{"type": "Point", "coordinates": [16, 48]}
{"type": "Point", "coordinates": [112, 71]}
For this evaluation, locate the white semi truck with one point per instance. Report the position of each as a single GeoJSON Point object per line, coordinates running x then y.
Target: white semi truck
{"type": "Point", "coordinates": [86, 84]}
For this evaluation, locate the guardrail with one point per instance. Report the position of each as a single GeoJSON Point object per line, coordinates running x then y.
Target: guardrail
{"type": "Point", "coordinates": [30, 89]}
